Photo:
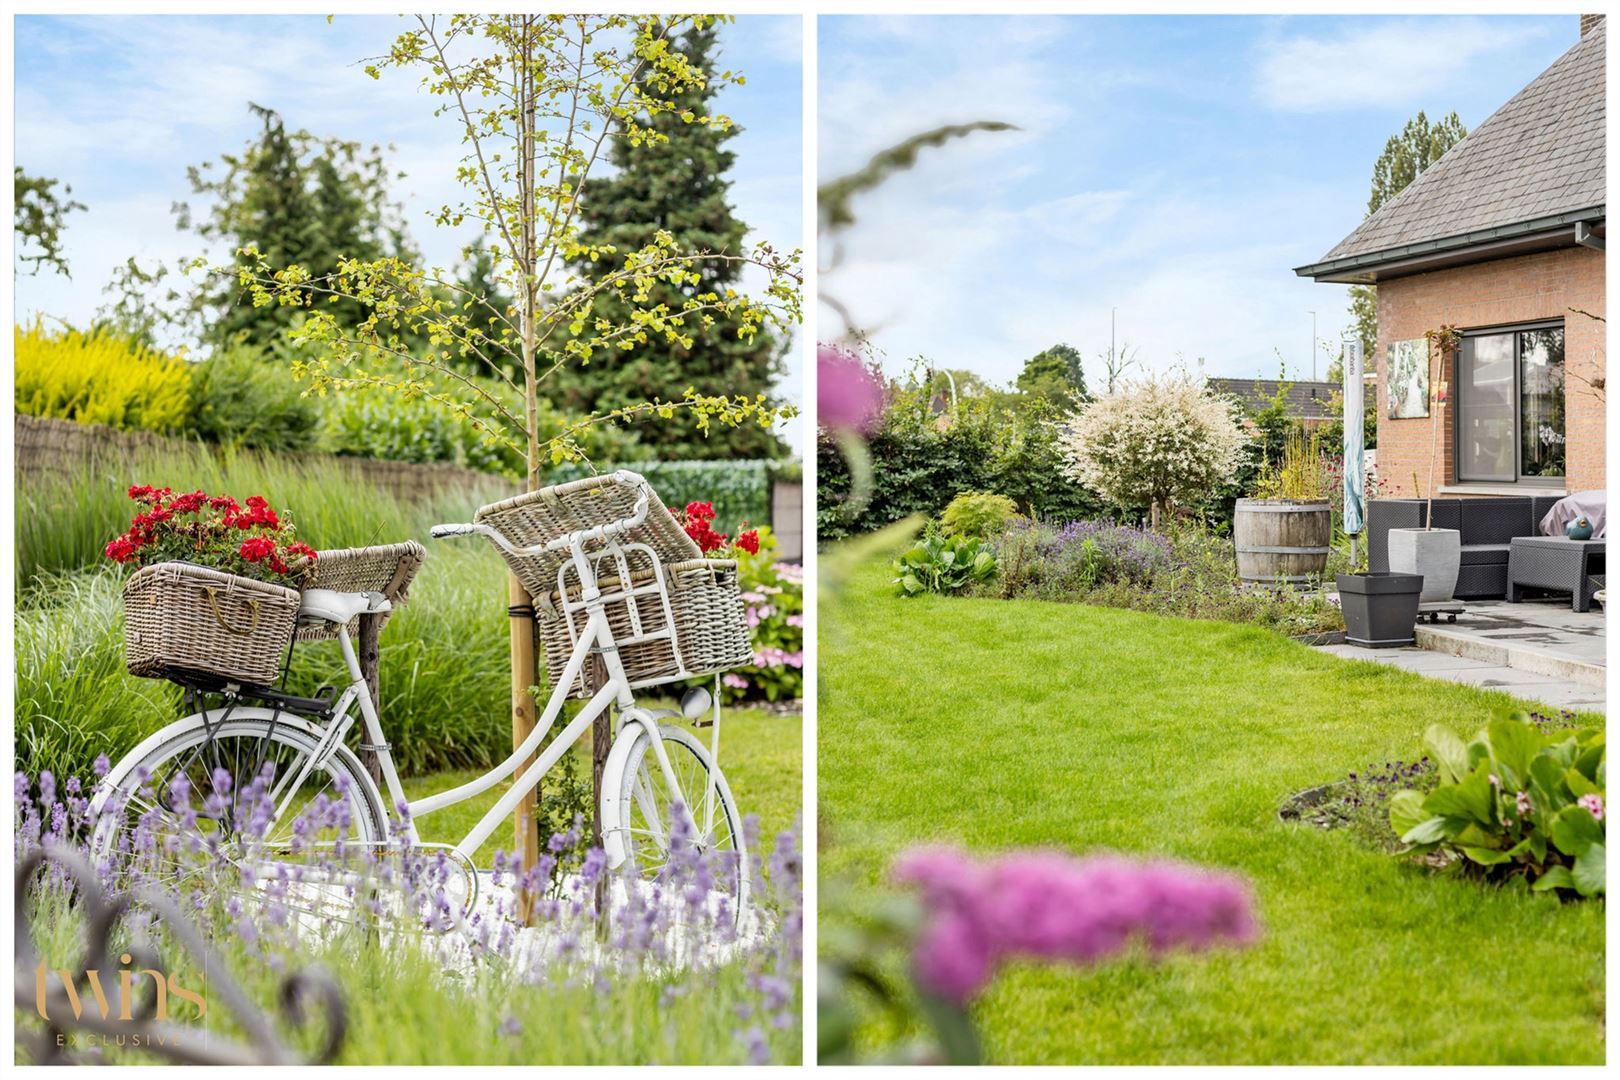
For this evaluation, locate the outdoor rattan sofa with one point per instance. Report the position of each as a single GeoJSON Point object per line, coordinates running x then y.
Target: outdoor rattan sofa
{"type": "Point", "coordinates": [1487, 525]}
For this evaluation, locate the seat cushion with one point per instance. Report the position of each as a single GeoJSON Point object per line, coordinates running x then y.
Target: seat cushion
{"type": "Point", "coordinates": [1484, 554]}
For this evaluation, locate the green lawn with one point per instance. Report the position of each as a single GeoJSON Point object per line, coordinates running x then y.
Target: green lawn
{"type": "Point", "coordinates": [997, 724]}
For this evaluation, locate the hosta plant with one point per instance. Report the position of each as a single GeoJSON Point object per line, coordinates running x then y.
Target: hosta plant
{"type": "Point", "coordinates": [943, 564]}
{"type": "Point", "coordinates": [1513, 804]}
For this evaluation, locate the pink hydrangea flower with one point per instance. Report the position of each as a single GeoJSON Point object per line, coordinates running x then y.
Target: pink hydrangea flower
{"type": "Point", "coordinates": [1593, 802]}
{"type": "Point", "coordinates": [1056, 907]}
{"type": "Point", "coordinates": [735, 681]}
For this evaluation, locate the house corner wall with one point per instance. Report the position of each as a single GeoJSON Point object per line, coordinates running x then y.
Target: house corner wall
{"type": "Point", "coordinates": [1547, 285]}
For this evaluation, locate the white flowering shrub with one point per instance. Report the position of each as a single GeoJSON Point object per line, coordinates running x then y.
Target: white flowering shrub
{"type": "Point", "coordinates": [1155, 442]}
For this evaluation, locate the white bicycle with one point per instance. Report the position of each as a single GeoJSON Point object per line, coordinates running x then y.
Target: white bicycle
{"type": "Point", "coordinates": [616, 562]}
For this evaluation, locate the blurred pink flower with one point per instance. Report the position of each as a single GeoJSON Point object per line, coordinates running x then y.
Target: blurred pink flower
{"type": "Point", "coordinates": [848, 398]}
{"type": "Point", "coordinates": [1053, 906]}
{"type": "Point", "coordinates": [735, 681]}
{"type": "Point", "coordinates": [1593, 802]}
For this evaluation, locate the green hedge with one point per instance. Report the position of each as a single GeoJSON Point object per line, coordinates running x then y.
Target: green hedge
{"type": "Point", "coordinates": [919, 466]}
{"type": "Point", "coordinates": [739, 490]}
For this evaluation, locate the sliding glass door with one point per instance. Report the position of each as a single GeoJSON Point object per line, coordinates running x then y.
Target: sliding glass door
{"type": "Point", "coordinates": [1510, 405]}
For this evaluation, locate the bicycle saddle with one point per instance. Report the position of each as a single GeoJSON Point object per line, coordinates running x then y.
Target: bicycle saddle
{"type": "Point", "coordinates": [340, 607]}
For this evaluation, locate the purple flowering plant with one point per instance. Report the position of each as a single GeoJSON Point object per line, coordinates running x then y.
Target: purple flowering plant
{"type": "Point", "coordinates": [399, 928]}
{"type": "Point", "coordinates": [974, 915]}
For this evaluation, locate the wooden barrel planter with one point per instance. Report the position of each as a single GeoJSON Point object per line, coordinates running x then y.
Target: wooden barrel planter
{"type": "Point", "coordinates": [1281, 540]}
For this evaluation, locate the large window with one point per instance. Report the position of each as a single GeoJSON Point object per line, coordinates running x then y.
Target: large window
{"type": "Point", "coordinates": [1510, 405]}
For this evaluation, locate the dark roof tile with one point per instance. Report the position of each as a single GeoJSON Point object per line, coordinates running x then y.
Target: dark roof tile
{"type": "Point", "coordinates": [1539, 155]}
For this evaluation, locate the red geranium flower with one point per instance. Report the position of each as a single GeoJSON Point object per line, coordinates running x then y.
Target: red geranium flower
{"type": "Point", "coordinates": [189, 503]}
{"type": "Point", "coordinates": [197, 527]}
{"type": "Point", "coordinates": [749, 541]}
{"type": "Point", "coordinates": [121, 550]}
{"type": "Point", "coordinates": [257, 549]}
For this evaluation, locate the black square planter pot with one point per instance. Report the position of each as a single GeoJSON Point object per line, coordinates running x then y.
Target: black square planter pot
{"type": "Point", "coordinates": [1380, 610]}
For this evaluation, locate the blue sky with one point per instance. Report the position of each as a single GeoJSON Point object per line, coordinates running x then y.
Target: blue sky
{"type": "Point", "coordinates": [1174, 168]}
{"type": "Point", "coordinates": [118, 107]}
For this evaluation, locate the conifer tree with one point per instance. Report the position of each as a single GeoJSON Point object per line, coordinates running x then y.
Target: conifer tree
{"type": "Point", "coordinates": [678, 186]}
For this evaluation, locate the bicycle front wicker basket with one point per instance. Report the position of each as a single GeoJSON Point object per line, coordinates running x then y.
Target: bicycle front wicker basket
{"type": "Point", "coordinates": [710, 631]}
{"type": "Point", "coordinates": [194, 620]}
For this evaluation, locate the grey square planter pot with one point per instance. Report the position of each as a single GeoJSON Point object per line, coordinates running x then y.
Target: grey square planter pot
{"type": "Point", "coordinates": [1380, 610]}
{"type": "Point", "coordinates": [1435, 555]}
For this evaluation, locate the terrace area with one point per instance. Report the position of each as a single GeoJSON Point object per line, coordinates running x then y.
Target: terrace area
{"type": "Point", "coordinates": [1539, 651]}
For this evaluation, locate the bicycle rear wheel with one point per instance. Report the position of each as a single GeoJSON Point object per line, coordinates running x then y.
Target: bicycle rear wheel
{"type": "Point", "coordinates": [242, 807]}
{"type": "Point", "coordinates": [657, 834]}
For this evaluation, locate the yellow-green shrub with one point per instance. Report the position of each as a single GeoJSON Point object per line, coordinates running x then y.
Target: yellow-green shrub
{"type": "Point", "coordinates": [99, 378]}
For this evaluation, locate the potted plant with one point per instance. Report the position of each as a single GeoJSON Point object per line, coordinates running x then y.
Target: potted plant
{"type": "Point", "coordinates": [1380, 610]}
{"type": "Point", "coordinates": [1434, 554]}
{"type": "Point", "coordinates": [1284, 532]}
{"type": "Point", "coordinates": [217, 589]}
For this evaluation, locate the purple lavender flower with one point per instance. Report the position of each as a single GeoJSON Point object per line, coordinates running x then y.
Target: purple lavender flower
{"type": "Point", "coordinates": [1122, 553]}
{"type": "Point", "coordinates": [1053, 906]}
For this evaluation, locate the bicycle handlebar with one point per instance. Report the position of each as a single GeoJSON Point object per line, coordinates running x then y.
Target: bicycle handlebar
{"type": "Point", "coordinates": [567, 540]}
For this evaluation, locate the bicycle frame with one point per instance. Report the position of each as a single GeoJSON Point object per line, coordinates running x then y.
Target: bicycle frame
{"type": "Point", "coordinates": [617, 690]}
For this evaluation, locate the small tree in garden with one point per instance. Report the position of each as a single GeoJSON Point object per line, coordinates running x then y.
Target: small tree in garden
{"type": "Point", "coordinates": [1154, 442]}
{"type": "Point", "coordinates": [538, 100]}
{"type": "Point", "coordinates": [1443, 342]}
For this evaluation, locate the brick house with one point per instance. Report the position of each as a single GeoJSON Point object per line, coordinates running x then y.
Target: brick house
{"type": "Point", "coordinates": [1503, 239]}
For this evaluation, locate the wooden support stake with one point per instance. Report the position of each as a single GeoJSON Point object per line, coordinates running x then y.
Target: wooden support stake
{"type": "Point", "coordinates": [525, 675]}
{"type": "Point", "coordinates": [370, 662]}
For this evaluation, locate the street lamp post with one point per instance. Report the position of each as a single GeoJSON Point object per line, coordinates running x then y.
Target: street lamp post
{"type": "Point", "coordinates": [1313, 345]}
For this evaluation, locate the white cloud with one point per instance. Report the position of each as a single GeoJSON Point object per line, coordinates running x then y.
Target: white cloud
{"type": "Point", "coordinates": [1387, 63]}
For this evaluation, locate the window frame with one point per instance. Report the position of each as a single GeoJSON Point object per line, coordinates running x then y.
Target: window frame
{"type": "Point", "coordinates": [1465, 354]}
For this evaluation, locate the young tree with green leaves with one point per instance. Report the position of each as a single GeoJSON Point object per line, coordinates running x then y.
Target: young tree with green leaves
{"type": "Point", "coordinates": [676, 183]}
{"type": "Point", "coordinates": [1419, 145]}
{"type": "Point", "coordinates": [538, 99]}
{"type": "Point", "coordinates": [39, 215]}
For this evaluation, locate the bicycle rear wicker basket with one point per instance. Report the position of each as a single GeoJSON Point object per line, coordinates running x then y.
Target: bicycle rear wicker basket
{"type": "Point", "coordinates": [709, 633]}
{"type": "Point", "coordinates": [182, 619]}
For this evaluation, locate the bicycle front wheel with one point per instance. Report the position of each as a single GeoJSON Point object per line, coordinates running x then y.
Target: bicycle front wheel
{"type": "Point", "coordinates": [654, 832]}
